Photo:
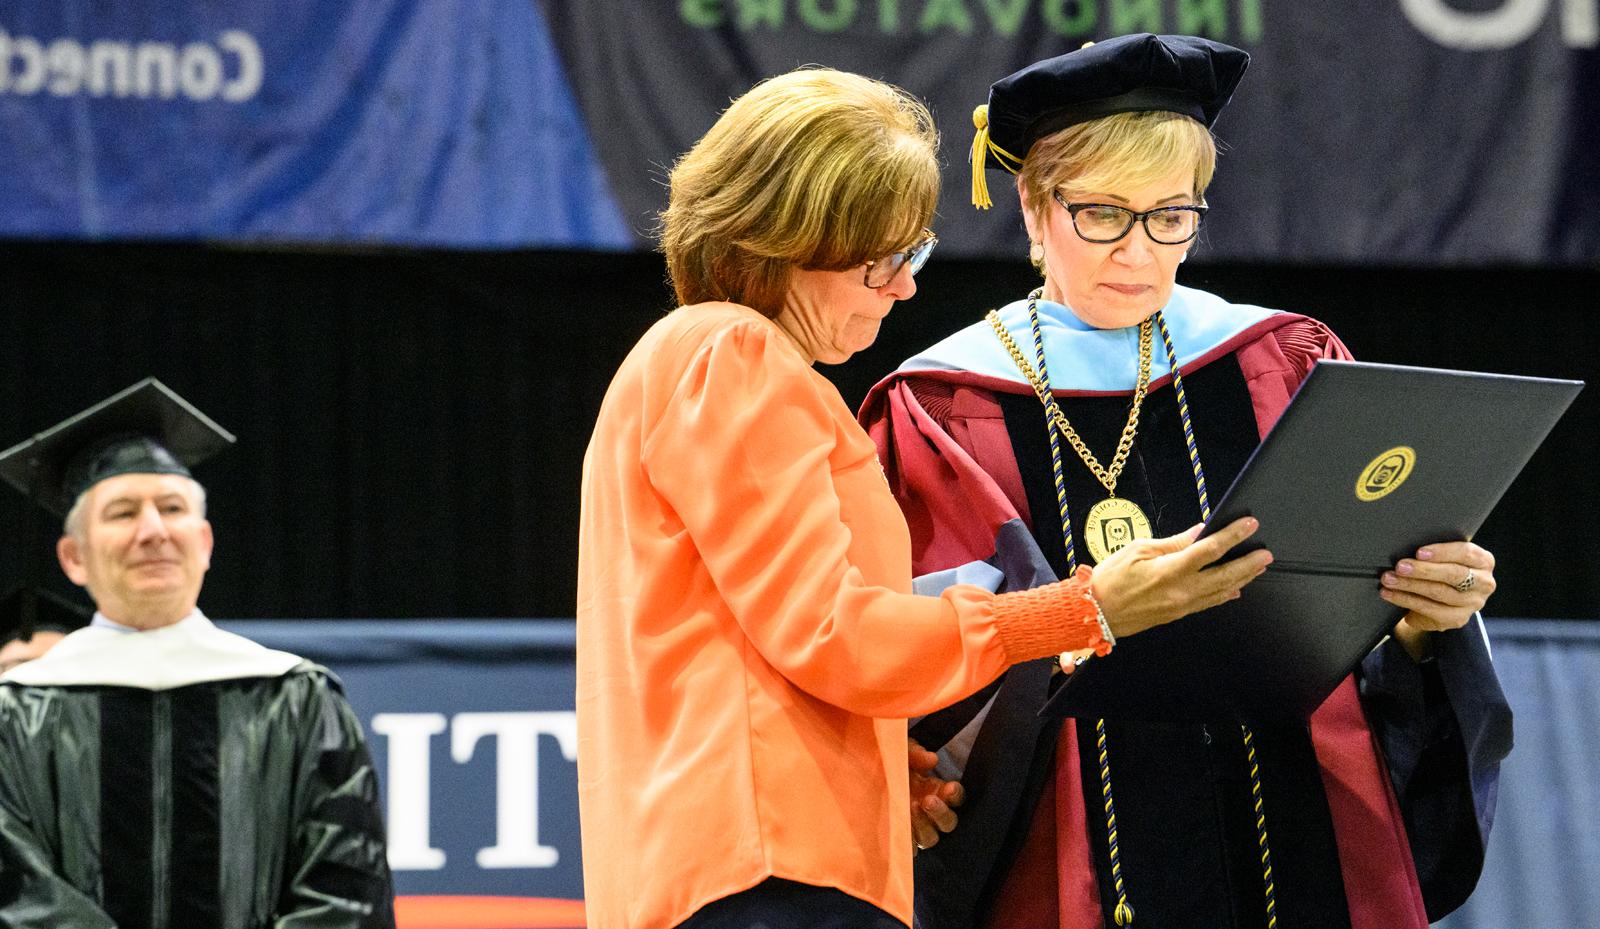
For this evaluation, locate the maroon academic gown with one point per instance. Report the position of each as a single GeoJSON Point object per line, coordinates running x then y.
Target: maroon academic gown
{"type": "Point", "coordinates": [950, 459]}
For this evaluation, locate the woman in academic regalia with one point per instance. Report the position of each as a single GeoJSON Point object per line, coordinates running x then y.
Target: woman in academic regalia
{"type": "Point", "coordinates": [1099, 409]}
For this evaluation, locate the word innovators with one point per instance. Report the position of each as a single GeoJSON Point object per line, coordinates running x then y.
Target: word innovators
{"type": "Point", "coordinates": [229, 69]}
{"type": "Point", "coordinates": [1218, 19]}
{"type": "Point", "coordinates": [1490, 25]}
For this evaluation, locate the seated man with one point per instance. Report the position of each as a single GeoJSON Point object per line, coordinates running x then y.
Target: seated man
{"type": "Point", "coordinates": [32, 622]}
{"type": "Point", "coordinates": [160, 773]}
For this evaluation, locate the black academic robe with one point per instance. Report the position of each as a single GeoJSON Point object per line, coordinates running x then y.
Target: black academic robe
{"type": "Point", "coordinates": [234, 804]}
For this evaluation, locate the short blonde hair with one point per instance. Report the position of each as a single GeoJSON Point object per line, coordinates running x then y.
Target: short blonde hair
{"type": "Point", "coordinates": [1120, 150]}
{"type": "Point", "coordinates": [816, 169]}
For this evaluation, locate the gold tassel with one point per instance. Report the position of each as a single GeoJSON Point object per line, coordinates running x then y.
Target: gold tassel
{"type": "Point", "coordinates": [982, 146]}
{"type": "Point", "coordinates": [980, 153]}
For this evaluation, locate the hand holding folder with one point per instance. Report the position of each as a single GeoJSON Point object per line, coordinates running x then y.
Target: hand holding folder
{"type": "Point", "coordinates": [1441, 588]}
{"type": "Point", "coordinates": [1148, 582]}
{"type": "Point", "coordinates": [1368, 464]}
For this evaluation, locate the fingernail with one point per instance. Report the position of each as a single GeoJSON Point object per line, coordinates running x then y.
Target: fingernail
{"type": "Point", "coordinates": [1386, 594]}
{"type": "Point", "coordinates": [1390, 579]}
{"type": "Point", "coordinates": [1405, 567]}
{"type": "Point", "coordinates": [1425, 554]}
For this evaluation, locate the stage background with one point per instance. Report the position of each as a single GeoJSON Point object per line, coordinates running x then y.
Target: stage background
{"type": "Point", "coordinates": [471, 723]}
{"type": "Point", "coordinates": [412, 424]}
{"type": "Point", "coordinates": [399, 247]}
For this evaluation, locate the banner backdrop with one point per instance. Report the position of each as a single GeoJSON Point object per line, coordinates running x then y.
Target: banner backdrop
{"type": "Point", "coordinates": [413, 122]}
{"type": "Point", "coordinates": [472, 728]}
{"type": "Point", "coordinates": [1373, 131]}
{"type": "Point", "coordinates": [1376, 131]}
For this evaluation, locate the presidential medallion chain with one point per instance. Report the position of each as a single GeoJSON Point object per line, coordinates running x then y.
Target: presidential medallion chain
{"type": "Point", "coordinates": [1106, 476]}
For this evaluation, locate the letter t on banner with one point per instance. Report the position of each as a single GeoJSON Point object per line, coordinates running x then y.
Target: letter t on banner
{"type": "Point", "coordinates": [516, 778]}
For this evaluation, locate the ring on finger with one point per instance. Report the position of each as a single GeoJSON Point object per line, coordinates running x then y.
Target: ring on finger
{"type": "Point", "coordinates": [1466, 583]}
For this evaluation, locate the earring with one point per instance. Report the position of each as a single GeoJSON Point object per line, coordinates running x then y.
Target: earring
{"type": "Point", "coordinates": [1036, 256]}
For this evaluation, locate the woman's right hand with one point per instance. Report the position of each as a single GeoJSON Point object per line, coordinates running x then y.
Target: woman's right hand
{"type": "Point", "coordinates": [1154, 581]}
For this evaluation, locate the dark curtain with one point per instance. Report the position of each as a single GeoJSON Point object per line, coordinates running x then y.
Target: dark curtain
{"type": "Point", "coordinates": [412, 424]}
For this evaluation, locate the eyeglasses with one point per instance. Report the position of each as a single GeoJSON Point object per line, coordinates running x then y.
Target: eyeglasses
{"type": "Point", "coordinates": [880, 271]}
{"type": "Point", "coordinates": [1102, 222]}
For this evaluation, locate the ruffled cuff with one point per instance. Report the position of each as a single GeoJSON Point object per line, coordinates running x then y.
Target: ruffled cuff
{"type": "Point", "coordinates": [1050, 619]}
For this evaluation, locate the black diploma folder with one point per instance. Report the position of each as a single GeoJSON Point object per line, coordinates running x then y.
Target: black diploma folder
{"type": "Point", "coordinates": [1368, 463]}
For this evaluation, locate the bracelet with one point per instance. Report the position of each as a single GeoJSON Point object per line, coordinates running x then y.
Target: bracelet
{"type": "Point", "coordinates": [1108, 641]}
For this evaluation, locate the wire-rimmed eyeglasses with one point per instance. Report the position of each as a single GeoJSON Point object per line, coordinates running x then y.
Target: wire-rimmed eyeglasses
{"type": "Point", "coordinates": [1102, 223]}
{"type": "Point", "coordinates": [880, 271]}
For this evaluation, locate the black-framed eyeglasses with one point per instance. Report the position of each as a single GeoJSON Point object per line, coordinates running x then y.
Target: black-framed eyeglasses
{"type": "Point", "coordinates": [880, 271]}
{"type": "Point", "coordinates": [1102, 223]}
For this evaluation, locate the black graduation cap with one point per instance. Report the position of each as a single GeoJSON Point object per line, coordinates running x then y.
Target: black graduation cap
{"type": "Point", "coordinates": [146, 429]}
{"type": "Point", "coordinates": [1180, 73]}
{"type": "Point", "coordinates": [26, 610]}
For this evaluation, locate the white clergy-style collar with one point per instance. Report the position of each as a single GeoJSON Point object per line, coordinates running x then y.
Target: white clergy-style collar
{"type": "Point", "coordinates": [190, 651]}
{"type": "Point", "coordinates": [102, 621]}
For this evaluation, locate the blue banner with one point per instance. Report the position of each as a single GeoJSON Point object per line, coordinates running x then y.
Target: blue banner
{"type": "Point", "coordinates": [1420, 132]}
{"type": "Point", "coordinates": [473, 731]}
{"type": "Point", "coordinates": [472, 727]}
{"type": "Point", "coordinates": [315, 121]}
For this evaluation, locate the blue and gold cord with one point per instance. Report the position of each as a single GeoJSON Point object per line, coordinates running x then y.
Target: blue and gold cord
{"type": "Point", "coordinates": [1122, 913]}
{"type": "Point", "coordinates": [1188, 425]}
{"type": "Point", "coordinates": [1055, 436]}
{"type": "Point", "coordinates": [1249, 737]}
{"type": "Point", "coordinates": [1261, 826]}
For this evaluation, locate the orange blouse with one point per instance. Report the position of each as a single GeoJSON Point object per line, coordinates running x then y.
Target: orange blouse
{"type": "Point", "coordinates": [748, 646]}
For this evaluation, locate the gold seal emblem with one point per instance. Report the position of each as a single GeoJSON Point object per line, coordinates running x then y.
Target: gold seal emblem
{"type": "Point", "coordinates": [1111, 524]}
{"type": "Point", "coordinates": [1384, 474]}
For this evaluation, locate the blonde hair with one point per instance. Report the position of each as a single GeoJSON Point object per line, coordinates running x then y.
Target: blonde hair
{"type": "Point", "coordinates": [816, 169]}
{"type": "Point", "coordinates": [1120, 150]}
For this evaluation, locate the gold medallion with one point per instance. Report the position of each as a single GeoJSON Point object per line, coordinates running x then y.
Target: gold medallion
{"type": "Point", "coordinates": [1384, 474]}
{"type": "Point", "coordinates": [1113, 523]}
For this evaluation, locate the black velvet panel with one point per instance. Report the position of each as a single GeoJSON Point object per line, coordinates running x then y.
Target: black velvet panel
{"type": "Point", "coordinates": [196, 832]}
{"type": "Point", "coordinates": [1187, 837]}
{"type": "Point", "coordinates": [127, 784]}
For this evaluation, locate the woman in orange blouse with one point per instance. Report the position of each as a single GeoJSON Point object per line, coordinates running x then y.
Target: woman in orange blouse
{"type": "Point", "coordinates": [748, 643]}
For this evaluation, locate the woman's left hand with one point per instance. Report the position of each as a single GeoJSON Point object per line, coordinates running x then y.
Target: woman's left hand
{"type": "Point", "coordinates": [1440, 588]}
{"type": "Point", "coordinates": [932, 799]}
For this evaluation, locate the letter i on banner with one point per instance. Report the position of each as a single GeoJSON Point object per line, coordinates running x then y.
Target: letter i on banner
{"type": "Point", "coordinates": [409, 782]}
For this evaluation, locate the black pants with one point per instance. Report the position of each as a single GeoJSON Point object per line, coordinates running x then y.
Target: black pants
{"type": "Point", "coordinates": [779, 904]}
